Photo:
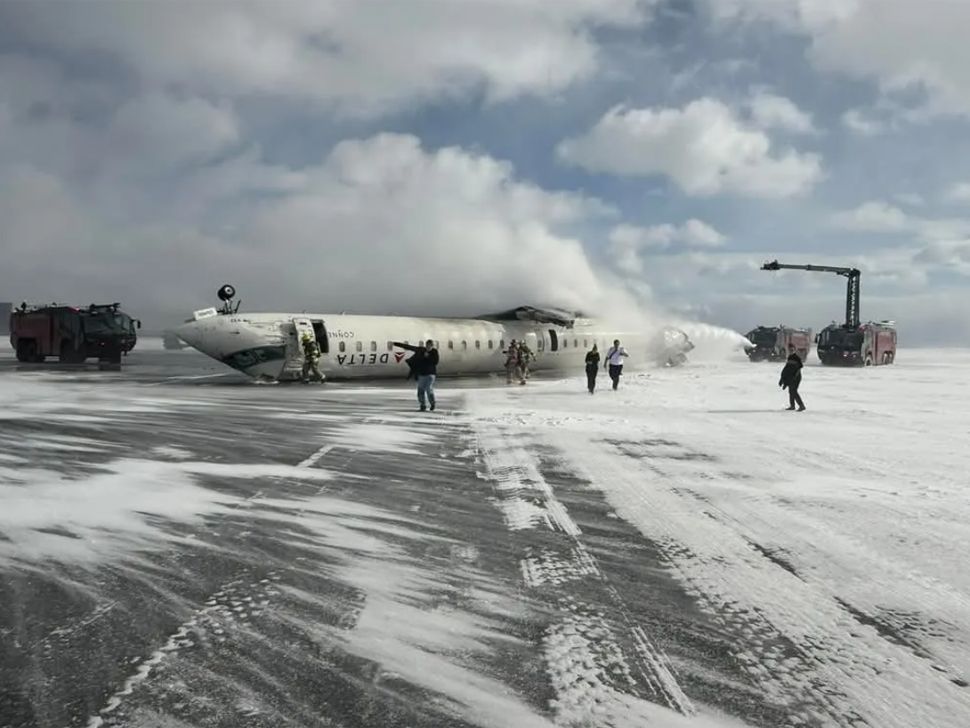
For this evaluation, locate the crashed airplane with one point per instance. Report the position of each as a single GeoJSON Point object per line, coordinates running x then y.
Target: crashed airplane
{"type": "Point", "coordinates": [267, 345]}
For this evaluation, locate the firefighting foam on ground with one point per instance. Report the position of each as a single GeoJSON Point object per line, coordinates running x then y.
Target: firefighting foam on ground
{"type": "Point", "coordinates": [183, 546]}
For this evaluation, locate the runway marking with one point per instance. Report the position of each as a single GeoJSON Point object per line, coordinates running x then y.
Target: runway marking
{"type": "Point", "coordinates": [315, 457]}
{"type": "Point", "coordinates": [188, 377]}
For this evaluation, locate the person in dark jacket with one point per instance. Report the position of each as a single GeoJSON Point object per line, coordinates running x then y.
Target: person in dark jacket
{"type": "Point", "coordinates": [791, 378]}
{"type": "Point", "coordinates": [592, 368]}
{"type": "Point", "coordinates": [423, 365]}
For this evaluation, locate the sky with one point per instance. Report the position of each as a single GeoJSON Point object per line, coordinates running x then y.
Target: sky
{"type": "Point", "coordinates": [463, 156]}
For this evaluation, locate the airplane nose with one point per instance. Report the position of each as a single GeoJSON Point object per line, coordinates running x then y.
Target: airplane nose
{"type": "Point", "coordinates": [191, 334]}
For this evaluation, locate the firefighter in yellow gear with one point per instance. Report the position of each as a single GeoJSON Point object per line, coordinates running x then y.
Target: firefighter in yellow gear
{"type": "Point", "coordinates": [311, 360]}
{"type": "Point", "coordinates": [526, 357]}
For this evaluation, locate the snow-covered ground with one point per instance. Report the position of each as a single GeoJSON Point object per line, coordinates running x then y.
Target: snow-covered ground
{"type": "Point", "coordinates": [833, 541]}
{"type": "Point", "coordinates": [189, 549]}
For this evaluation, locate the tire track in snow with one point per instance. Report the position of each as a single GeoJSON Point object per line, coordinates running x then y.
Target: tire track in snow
{"type": "Point", "coordinates": [596, 682]}
{"type": "Point", "coordinates": [802, 647]}
{"type": "Point", "coordinates": [231, 606]}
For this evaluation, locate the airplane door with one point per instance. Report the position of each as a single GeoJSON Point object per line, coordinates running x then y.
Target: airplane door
{"type": "Point", "coordinates": [294, 347]}
{"type": "Point", "coordinates": [303, 326]}
{"type": "Point", "coordinates": [320, 333]}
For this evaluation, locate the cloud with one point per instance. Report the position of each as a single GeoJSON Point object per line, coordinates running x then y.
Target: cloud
{"type": "Point", "coordinates": [959, 192]}
{"type": "Point", "coordinates": [769, 111]}
{"type": "Point", "coordinates": [629, 242]}
{"type": "Point", "coordinates": [792, 14]}
{"type": "Point", "coordinates": [858, 121]}
{"type": "Point", "coordinates": [880, 217]}
{"type": "Point", "coordinates": [157, 129]}
{"type": "Point", "coordinates": [873, 217]}
{"type": "Point", "coordinates": [953, 255]}
{"type": "Point", "coordinates": [913, 199]}
{"type": "Point", "coordinates": [362, 57]}
{"type": "Point", "coordinates": [903, 46]}
{"type": "Point", "coordinates": [703, 147]}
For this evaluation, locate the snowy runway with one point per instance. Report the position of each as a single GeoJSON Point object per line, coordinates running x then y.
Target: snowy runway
{"type": "Point", "coordinates": [178, 547]}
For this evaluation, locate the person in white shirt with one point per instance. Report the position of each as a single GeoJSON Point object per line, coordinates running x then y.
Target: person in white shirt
{"type": "Point", "coordinates": [614, 361]}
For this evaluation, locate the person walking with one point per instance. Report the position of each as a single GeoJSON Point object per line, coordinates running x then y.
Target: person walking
{"type": "Point", "coordinates": [791, 379]}
{"type": "Point", "coordinates": [424, 366]}
{"type": "Point", "coordinates": [614, 361]}
{"type": "Point", "coordinates": [592, 368]}
{"type": "Point", "coordinates": [311, 360]}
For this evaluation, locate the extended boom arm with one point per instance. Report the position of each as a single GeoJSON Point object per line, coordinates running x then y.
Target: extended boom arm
{"type": "Point", "coordinates": [852, 290]}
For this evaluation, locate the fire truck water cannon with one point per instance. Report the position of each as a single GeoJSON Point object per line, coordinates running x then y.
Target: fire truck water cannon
{"type": "Point", "coordinates": [851, 343]}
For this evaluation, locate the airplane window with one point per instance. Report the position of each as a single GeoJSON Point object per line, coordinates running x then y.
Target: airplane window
{"type": "Point", "coordinates": [490, 344]}
{"type": "Point", "coordinates": [360, 346]}
{"type": "Point", "coordinates": [565, 343]}
{"type": "Point", "coordinates": [451, 344]}
{"type": "Point", "coordinates": [464, 346]}
{"type": "Point", "coordinates": [585, 344]}
{"type": "Point", "coordinates": [343, 346]}
{"type": "Point", "coordinates": [373, 346]}
{"type": "Point", "coordinates": [501, 344]}
{"type": "Point", "coordinates": [478, 344]}
{"type": "Point", "coordinates": [390, 346]}
{"type": "Point", "coordinates": [576, 343]}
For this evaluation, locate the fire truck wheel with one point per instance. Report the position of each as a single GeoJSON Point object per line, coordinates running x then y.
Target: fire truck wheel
{"type": "Point", "coordinates": [25, 350]}
{"type": "Point", "coordinates": [868, 360]}
{"type": "Point", "coordinates": [70, 355]}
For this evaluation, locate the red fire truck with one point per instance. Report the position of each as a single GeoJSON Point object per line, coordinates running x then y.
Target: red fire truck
{"type": "Point", "coordinates": [853, 343]}
{"type": "Point", "coordinates": [770, 343]}
{"type": "Point", "coordinates": [72, 334]}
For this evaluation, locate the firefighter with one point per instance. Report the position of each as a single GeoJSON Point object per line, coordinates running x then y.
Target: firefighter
{"type": "Point", "coordinates": [592, 368]}
{"type": "Point", "coordinates": [614, 362]}
{"type": "Point", "coordinates": [311, 360]}
{"type": "Point", "coordinates": [525, 361]}
{"type": "Point", "coordinates": [791, 379]}
{"type": "Point", "coordinates": [513, 367]}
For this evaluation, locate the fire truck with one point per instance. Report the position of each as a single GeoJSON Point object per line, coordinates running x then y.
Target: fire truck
{"type": "Point", "coordinates": [72, 334]}
{"type": "Point", "coordinates": [770, 343]}
{"type": "Point", "coordinates": [868, 344]}
{"type": "Point", "coordinates": [852, 343]}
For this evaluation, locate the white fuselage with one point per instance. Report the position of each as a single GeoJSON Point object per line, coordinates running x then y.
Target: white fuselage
{"type": "Point", "coordinates": [267, 345]}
